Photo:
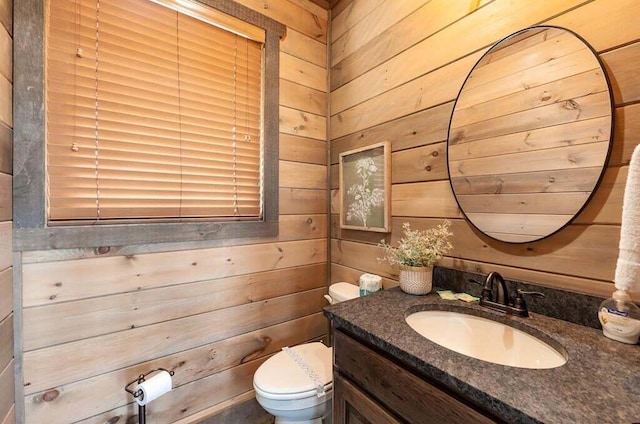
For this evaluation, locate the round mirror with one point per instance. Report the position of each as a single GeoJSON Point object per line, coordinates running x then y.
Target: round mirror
{"type": "Point", "coordinates": [530, 134]}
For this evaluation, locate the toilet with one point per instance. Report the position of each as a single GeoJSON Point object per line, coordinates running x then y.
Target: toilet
{"type": "Point", "coordinates": [295, 385]}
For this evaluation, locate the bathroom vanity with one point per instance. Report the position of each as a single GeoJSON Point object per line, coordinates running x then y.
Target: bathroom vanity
{"type": "Point", "coordinates": [385, 372]}
{"type": "Point", "coordinates": [395, 390]}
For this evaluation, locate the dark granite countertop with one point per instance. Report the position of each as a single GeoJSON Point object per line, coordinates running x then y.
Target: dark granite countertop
{"type": "Point", "coordinates": [600, 383]}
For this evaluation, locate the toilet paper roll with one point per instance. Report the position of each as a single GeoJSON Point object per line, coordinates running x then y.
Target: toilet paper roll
{"type": "Point", "coordinates": [154, 387]}
{"type": "Point", "coordinates": [370, 283]}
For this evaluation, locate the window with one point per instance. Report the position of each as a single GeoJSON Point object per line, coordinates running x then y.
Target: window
{"type": "Point", "coordinates": [156, 111]}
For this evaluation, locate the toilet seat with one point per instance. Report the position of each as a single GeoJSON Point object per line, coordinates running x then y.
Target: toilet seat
{"type": "Point", "coordinates": [280, 377]}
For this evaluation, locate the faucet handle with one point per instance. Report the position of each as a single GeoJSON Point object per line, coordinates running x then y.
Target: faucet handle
{"type": "Point", "coordinates": [529, 293]}
{"type": "Point", "coordinates": [519, 303]}
{"type": "Point", "coordinates": [486, 292]}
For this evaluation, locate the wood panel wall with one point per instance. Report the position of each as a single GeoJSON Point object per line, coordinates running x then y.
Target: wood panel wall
{"type": "Point", "coordinates": [7, 373]}
{"type": "Point", "coordinates": [210, 311]}
{"type": "Point", "coordinates": [395, 72]}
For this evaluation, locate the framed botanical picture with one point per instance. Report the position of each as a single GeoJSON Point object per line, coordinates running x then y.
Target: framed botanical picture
{"type": "Point", "coordinates": [365, 187]}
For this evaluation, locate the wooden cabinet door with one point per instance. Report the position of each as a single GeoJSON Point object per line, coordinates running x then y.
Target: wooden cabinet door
{"type": "Point", "coordinates": [410, 397]}
{"type": "Point", "coordinates": [351, 406]}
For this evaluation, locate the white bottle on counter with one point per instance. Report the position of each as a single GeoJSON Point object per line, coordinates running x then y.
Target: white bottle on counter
{"type": "Point", "coordinates": [620, 318]}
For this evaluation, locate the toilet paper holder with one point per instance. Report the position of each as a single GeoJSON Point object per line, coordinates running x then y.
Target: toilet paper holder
{"type": "Point", "coordinates": [138, 393]}
{"type": "Point", "coordinates": [141, 378]}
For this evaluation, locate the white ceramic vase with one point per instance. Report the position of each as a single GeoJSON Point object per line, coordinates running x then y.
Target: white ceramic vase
{"type": "Point", "coordinates": [416, 279]}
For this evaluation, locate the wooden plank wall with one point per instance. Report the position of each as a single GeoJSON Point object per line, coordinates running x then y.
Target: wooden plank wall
{"type": "Point", "coordinates": [7, 373]}
{"type": "Point", "coordinates": [396, 68]}
{"type": "Point", "coordinates": [213, 311]}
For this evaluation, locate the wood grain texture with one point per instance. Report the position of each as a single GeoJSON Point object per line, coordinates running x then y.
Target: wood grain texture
{"type": "Point", "coordinates": [295, 201]}
{"type": "Point", "coordinates": [7, 364]}
{"type": "Point", "coordinates": [433, 89]}
{"type": "Point", "coordinates": [297, 96]}
{"type": "Point", "coordinates": [6, 15]}
{"type": "Point", "coordinates": [303, 72]}
{"type": "Point", "coordinates": [304, 47]}
{"type": "Point", "coordinates": [6, 101]}
{"type": "Point", "coordinates": [6, 341]}
{"type": "Point", "coordinates": [302, 175]}
{"type": "Point", "coordinates": [6, 292]}
{"type": "Point", "coordinates": [6, 191]}
{"type": "Point", "coordinates": [351, 12]}
{"type": "Point", "coordinates": [190, 365]}
{"type": "Point", "coordinates": [7, 397]}
{"type": "Point", "coordinates": [539, 262]}
{"type": "Point", "coordinates": [211, 355]}
{"type": "Point", "coordinates": [291, 228]}
{"type": "Point", "coordinates": [58, 323]}
{"type": "Point", "coordinates": [627, 125]}
{"type": "Point", "coordinates": [11, 416]}
{"type": "Point", "coordinates": [547, 279]}
{"type": "Point", "coordinates": [67, 280]}
{"type": "Point", "coordinates": [429, 199]}
{"type": "Point", "coordinates": [351, 406]}
{"type": "Point", "coordinates": [304, 124]}
{"type": "Point", "coordinates": [319, 8]}
{"type": "Point", "coordinates": [426, 163]}
{"type": "Point", "coordinates": [605, 207]}
{"type": "Point", "coordinates": [355, 235]}
{"type": "Point", "coordinates": [220, 387]}
{"type": "Point", "coordinates": [302, 149]}
{"type": "Point", "coordinates": [488, 25]}
{"type": "Point", "coordinates": [335, 177]}
{"type": "Point", "coordinates": [6, 255]}
{"type": "Point", "coordinates": [578, 250]}
{"type": "Point", "coordinates": [415, 130]}
{"type": "Point", "coordinates": [433, 16]}
{"type": "Point", "coordinates": [6, 149]}
{"type": "Point", "coordinates": [400, 391]}
{"type": "Point", "coordinates": [379, 20]}
{"type": "Point", "coordinates": [511, 120]}
{"type": "Point", "coordinates": [342, 273]}
{"type": "Point", "coordinates": [360, 256]}
{"type": "Point", "coordinates": [291, 15]}
{"type": "Point", "coordinates": [619, 14]}
{"type": "Point", "coordinates": [6, 54]}
{"type": "Point", "coordinates": [69, 237]}
{"type": "Point", "coordinates": [621, 63]}
{"type": "Point", "coordinates": [45, 368]}
{"type": "Point", "coordinates": [337, 6]}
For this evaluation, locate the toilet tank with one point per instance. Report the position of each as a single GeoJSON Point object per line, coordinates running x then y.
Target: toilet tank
{"type": "Point", "coordinates": [339, 292]}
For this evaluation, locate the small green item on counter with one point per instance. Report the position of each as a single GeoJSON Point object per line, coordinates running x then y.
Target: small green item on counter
{"type": "Point", "coordinates": [446, 294]}
{"type": "Point", "coordinates": [466, 297]}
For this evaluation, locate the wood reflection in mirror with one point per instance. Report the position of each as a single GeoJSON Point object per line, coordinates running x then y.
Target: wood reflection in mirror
{"type": "Point", "coordinates": [530, 134]}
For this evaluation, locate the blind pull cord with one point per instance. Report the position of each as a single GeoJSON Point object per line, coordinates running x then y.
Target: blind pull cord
{"type": "Point", "coordinates": [234, 130]}
{"type": "Point", "coordinates": [97, 123]}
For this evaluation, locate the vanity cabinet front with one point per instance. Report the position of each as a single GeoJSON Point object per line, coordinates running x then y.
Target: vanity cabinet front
{"type": "Point", "coordinates": [371, 388]}
{"type": "Point", "coordinates": [352, 406]}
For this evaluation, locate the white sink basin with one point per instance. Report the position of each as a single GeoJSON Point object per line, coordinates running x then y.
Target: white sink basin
{"type": "Point", "coordinates": [485, 339]}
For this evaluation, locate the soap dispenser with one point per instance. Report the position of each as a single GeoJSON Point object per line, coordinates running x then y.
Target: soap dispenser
{"type": "Point", "coordinates": [620, 318]}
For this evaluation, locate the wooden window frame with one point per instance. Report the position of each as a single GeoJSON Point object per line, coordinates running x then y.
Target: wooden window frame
{"type": "Point", "coordinates": [31, 231]}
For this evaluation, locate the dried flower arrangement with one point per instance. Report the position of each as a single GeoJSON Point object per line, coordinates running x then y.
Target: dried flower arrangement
{"type": "Point", "coordinates": [419, 248]}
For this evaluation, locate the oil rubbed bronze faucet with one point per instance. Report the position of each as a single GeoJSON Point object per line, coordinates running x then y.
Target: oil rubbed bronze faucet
{"type": "Point", "coordinates": [501, 301]}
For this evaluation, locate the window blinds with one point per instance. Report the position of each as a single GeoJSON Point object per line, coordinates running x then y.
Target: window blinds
{"type": "Point", "coordinates": [150, 114]}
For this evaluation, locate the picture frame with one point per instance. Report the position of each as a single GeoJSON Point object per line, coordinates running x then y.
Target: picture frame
{"type": "Point", "coordinates": [365, 188]}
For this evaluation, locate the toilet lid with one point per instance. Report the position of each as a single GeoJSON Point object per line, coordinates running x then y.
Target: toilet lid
{"type": "Point", "coordinates": [342, 291]}
{"type": "Point", "coordinates": [280, 374]}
